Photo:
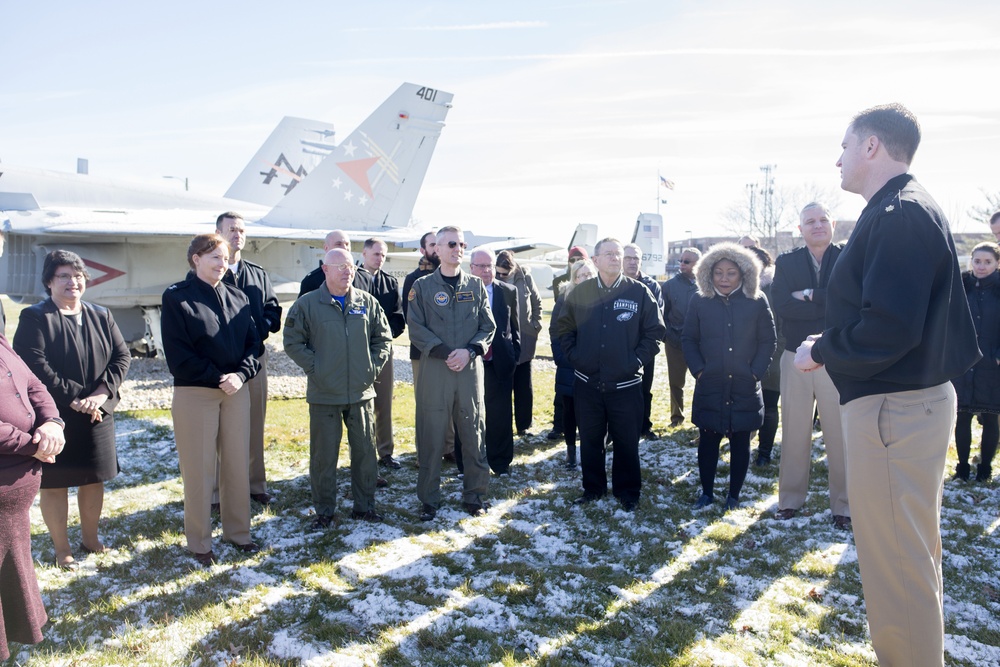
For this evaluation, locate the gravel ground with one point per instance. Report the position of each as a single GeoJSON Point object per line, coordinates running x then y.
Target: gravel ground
{"type": "Point", "coordinates": [150, 386]}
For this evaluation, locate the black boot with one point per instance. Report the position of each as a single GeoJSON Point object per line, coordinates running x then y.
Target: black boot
{"type": "Point", "coordinates": [983, 472]}
{"type": "Point", "coordinates": [962, 472]}
{"type": "Point", "coordinates": [570, 457]}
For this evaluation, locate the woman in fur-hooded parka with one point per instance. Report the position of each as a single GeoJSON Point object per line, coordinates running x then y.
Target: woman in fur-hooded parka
{"type": "Point", "coordinates": [728, 342]}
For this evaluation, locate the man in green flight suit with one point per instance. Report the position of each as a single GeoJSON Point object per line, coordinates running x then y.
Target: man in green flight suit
{"type": "Point", "coordinates": [452, 326]}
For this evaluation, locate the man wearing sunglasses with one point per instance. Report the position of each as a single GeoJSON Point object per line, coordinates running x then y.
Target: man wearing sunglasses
{"type": "Point", "coordinates": [677, 293]}
{"type": "Point", "coordinates": [452, 326]}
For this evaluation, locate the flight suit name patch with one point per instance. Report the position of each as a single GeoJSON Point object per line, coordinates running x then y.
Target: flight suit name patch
{"type": "Point", "coordinates": [464, 297]}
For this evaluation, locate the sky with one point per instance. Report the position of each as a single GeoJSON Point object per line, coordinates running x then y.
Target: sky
{"type": "Point", "coordinates": [564, 112]}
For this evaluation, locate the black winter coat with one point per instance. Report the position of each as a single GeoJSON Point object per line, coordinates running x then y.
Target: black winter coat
{"type": "Point", "coordinates": [978, 389]}
{"type": "Point", "coordinates": [728, 343]}
{"type": "Point", "coordinates": [564, 370]}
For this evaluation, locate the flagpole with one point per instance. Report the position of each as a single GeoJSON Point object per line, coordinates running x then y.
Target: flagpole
{"type": "Point", "coordinates": [659, 181]}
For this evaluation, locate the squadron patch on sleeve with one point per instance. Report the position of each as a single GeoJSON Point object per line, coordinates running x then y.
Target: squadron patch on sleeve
{"type": "Point", "coordinates": [412, 295]}
{"type": "Point", "coordinates": [442, 298]}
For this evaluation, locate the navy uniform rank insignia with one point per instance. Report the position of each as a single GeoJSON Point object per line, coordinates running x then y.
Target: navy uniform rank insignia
{"type": "Point", "coordinates": [441, 298]}
{"type": "Point", "coordinates": [464, 297]}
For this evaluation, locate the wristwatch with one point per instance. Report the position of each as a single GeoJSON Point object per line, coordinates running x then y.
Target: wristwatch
{"type": "Point", "coordinates": [808, 293]}
{"type": "Point", "coordinates": [472, 352]}
{"type": "Point", "coordinates": [56, 420]}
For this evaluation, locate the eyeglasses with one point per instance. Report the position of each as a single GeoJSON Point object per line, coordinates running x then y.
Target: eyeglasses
{"type": "Point", "coordinates": [340, 267]}
{"type": "Point", "coordinates": [687, 261]}
{"type": "Point", "coordinates": [462, 244]}
{"type": "Point", "coordinates": [502, 275]}
{"type": "Point", "coordinates": [482, 267]}
{"type": "Point", "coordinates": [574, 260]}
{"type": "Point", "coordinates": [68, 277]}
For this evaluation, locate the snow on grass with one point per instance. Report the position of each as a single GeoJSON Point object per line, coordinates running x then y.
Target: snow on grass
{"type": "Point", "coordinates": [535, 581]}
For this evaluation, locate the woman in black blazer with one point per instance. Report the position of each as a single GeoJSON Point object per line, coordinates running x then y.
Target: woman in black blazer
{"type": "Point", "coordinates": [77, 351]}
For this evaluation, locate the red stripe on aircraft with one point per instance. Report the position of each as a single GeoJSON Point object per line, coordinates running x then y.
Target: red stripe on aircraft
{"type": "Point", "coordinates": [109, 273]}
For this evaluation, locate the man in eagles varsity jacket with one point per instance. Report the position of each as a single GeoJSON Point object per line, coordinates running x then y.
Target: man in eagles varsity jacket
{"type": "Point", "coordinates": [610, 328]}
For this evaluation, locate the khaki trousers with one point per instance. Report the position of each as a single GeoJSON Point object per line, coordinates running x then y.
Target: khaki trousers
{"type": "Point", "coordinates": [212, 431]}
{"type": "Point", "coordinates": [800, 392]}
{"type": "Point", "coordinates": [383, 410]}
{"type": "Point", "coordinates": [896, 449]}
{"type": "Point", "coordinates": [258, 413]}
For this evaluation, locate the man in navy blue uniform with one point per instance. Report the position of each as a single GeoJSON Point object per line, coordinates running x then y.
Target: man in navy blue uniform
{"type": "Point", "coordinates": [898, 328]}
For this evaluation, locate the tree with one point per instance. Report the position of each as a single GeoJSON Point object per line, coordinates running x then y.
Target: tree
{"type": "Point", "coordinates": [984, 213]}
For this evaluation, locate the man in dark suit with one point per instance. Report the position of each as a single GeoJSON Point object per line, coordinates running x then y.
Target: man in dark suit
{"type": "Point", "coordinates": [498, 363]}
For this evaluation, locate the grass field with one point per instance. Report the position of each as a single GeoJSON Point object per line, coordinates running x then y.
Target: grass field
{"type": "Point", "coordinates": [536, 581]}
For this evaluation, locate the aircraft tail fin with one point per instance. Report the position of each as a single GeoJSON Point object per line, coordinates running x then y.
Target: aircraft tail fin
{"type": "Point", "coordinates": [648, 235]}
{"type": "Point", "coordinates": [372, 178]}
{"type": "Point", "coordinates": [585, 236]}
{"type": "Point", "coordinates": [293, 150]}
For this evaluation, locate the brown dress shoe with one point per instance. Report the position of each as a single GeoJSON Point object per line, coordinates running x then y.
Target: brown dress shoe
{"type": "Point", "coordinates": [785, 514]}
{"type": "Point", "coordinates": [842, 522]}
{"type": "Point", "coordinates": [206, 559]}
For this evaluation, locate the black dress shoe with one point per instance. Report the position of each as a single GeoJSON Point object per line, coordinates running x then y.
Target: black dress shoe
{"type": "Point", "coordinates": [206, 559]}
{"type": "Point", "coordinates": [630, 505]}
{"type": "Point", "coordinates": [322, 522]}
{"type": "Point", "coordinates": [762, 460]}
{"type": "Point", "coordinates": [588, 497]}
{"type": "Point", "coordinates": [427, 513]}
{"type": "Point", "coordinates": [216, 508]}
{"type": "Point", "coordinates": [704, 500]}
{"type": "Point", "coordinates": [650, 435]}
{"type": "Point", "coordinates": [555, 435]}
{"type": "Point", "coordinates": [389, 462]}
{"type": "Point", "coordinates": [370, 516]}
{"type": "Point", "coordinates": [262, 498]}
{"type": "Point", "coordinates": [476, 509]}
{"type": "Point", "coordinates": [381, 483]}
{"type": "Point", "coordinates": [248, 548]}
{"type": "Point", "coordinates": [842, 522]}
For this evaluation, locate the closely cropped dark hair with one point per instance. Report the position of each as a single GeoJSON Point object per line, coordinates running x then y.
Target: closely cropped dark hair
{"type": "Point", "coordinates": [763, 255]}
{"type": "Point", "coordinates": [370, 242]}
{"type": "Point", "coordinates": [894, 125]}
{"type": "Point", "coordinates": [204, 244]}
{"type": "Point", "coordinates": [58, 258]}
{"type": "Point", "coordinates": [994, 218]}
{"type": "Point", "coordinates": [223, 216]}
{"type": "Point", "coordinates": [423, 239]}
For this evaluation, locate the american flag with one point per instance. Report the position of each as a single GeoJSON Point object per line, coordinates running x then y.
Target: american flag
{"type": "Point", "coordinates": [651, 231]}
{"type": "Point", "coordinates": [667, 183]}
